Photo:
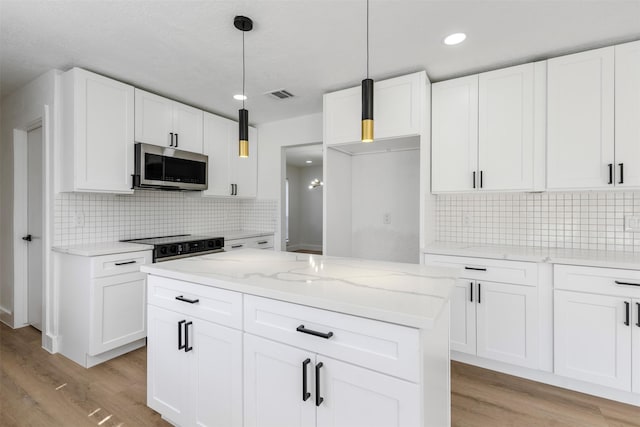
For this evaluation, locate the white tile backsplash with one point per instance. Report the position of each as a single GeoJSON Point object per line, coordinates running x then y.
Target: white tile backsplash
{"type": "Point", "coordinates": [580, 220]}
{"type": "Point", "coordinates": [91, 218]}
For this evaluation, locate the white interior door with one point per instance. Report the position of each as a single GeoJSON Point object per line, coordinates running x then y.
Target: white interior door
{"type": "Point", "coordinates": [34, 224]}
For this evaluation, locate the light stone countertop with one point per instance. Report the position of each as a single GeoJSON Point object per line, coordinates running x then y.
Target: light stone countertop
{"type": "Point", "coordinates": [104, 248]}
{"type": "Point", "coordinates": [606, 259]}
{"type": "Point", "coordinates": [406, 294]}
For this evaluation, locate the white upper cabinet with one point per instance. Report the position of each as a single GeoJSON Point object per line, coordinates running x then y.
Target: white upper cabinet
{"type": "Point", "coordinates": [97, 143]}
{"type": "Point", "coordinates": [454, 127]}
{"type": "Point", "coordinates": [627, 120]}
{"type": "Point", "coordinates": [580, 120]}
{"type": "Point", "coordinates": [229, 174]}
{"type": "Point", "coordinates": [483, 131]}
{"type": "Point", "coordinates": [397, 110]}
{"type": "Point", "coordinates": [505, 128]}
{"type": "Point", "coordinates": [164, 122]}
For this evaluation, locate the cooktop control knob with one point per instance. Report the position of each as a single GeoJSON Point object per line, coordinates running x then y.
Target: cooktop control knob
{"type": "Point", "coordinates": [173, 249]}
{"type": "Point", "coordinates": [163, 250]}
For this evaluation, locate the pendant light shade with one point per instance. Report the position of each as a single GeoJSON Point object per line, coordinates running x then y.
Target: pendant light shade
{"type": "Point", "coordinates": [367, 97]}
{"type": "Point", "coordinates": [243, 24]}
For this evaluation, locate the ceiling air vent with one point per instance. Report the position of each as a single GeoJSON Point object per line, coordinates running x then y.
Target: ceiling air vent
{"type": "Point", "coordinates": [280, 94]}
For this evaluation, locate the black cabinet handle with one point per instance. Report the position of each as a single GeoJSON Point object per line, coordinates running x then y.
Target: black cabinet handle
{"type": "Point", "coordinates": [304, 330]}
{"type": "Point", "coordinates": [479, 293]}
{"type": "Point", "coordinates": [474, 179]}
{"type": "Point", "coordinates": [638, 322]}
{"type": "Point", "coordinates": [235, 191]}
{"type": "Point", "coordinates": [176, 140]}
{"type": "Point", "coordinates": [236, 246]}
{"type": "Point", "coordinates": [618, 282]}
{"type": "Point", "coordinates": [319, 399]}
{"type": "Point", "coordinates": [610, 165]}
{"type": "Point", "coordinates": [480, 179]}
{"type": "Point", "coordinates": [125, 263]}
{"type": "Point", "coordinates": [171, 140]}
{"type": "Point", "coordinates": [263, 242]}
{"type": "Point", "coordinates": [27, 237]}
{"type": "Point", "coordinates": [181, 345]}
{"type": "Point", "coordinates": [621, 165]}
{"type": "Point", "coordinates": [626, 316]}
{"type": "Point", "coordinates": [187, 348]}
{"type": "Point", "coordinates": [305, 393]}
{"type": "Point", "coordinates": [190, 301]}
{"type": "Point", "coordinates": [471, 291]}
{"type": "Point", "coordinates": [475, 268]}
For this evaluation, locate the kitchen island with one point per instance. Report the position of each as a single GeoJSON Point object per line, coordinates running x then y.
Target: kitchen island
{"type": "Point", "coordinates": [262, 338]}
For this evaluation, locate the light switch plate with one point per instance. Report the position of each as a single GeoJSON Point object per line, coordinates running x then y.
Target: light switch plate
{"type": "Point", "coordinates": [632, 223]}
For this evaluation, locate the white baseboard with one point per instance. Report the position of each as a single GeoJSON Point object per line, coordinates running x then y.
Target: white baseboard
{"type": "Point", "coordinates": [6, 317]}
{"type": "Point", "coordinates": [50, 343]}
{"type": "Point", "coordinates": [304, 247]}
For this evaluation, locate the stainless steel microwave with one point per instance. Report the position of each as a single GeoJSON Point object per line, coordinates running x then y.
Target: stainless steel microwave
{"type": "Point", "coordinates": [165, 168]}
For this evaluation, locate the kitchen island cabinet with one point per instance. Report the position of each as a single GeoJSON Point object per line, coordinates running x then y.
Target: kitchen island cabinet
{"type": "Point", "coordinates": [322, 339]}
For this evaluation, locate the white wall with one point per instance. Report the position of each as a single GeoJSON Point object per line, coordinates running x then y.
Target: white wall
{"type": "Point", "coordinates": [307, 216]}
{"type": "Point", "coordinates": [271, 165]}
{"type": "Point", "coordinates": [386, 183]}
{"type": "Point", "coordinates": [293, 175]}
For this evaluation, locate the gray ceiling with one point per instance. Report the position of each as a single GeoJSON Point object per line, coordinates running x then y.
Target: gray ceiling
{"type": "Point", "coordinates": [190, 51]}
{"type": "Point", "coordinates": [298, 156]}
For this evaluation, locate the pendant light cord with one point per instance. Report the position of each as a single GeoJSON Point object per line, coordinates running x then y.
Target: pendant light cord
{"type": "Point", "coordinates": [243, 95]}
{"type": "Point", "coordinates": [367, 38]}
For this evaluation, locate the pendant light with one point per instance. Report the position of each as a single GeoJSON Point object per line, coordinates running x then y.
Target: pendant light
{"type": "Point", "coordinates": [367, 97]}
{"type": "Point", "coordinates": [243, 24]}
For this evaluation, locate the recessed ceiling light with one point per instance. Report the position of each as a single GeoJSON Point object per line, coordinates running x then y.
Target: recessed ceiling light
{"type": "Point", "coordinates": [240, 97]}
{"type": "Point", "coordinates": [309, 161]}
{"type": "Point", "coordinates": [454, 38]}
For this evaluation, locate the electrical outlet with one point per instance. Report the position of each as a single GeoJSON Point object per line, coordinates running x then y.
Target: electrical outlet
{"type": "Point", "coordinates": [466, 219]}
{"type": "Point", "coordinates": [632, 223]}
{"type": "Point", "coordinates": [78, 219]}
{"type": "Point", "coordinates": [386, 218]}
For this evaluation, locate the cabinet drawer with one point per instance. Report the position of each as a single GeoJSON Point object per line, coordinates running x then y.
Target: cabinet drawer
{"type": "Point", "coordinates": [263, 242]}
{"type": "Point", "coordinates": [232, 245]}
{"type": "Point", "coordinates": [213, 304]}
{"type": "Point", "coordinates": [381, 346]}
{"type": "Point", "coordinates": [609, 281]}
{"type": "Point", "coordinates": [109, 265]}
{"type": "Point", "coordinates": [516, 272]}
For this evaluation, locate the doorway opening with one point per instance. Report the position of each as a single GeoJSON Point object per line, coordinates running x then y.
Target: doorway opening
{"type": "Point", "coordinates": [35, 221]}
{"type": "Point", "coordinates": [303, 199]}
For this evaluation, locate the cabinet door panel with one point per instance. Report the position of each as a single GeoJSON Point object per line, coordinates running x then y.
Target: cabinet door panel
{"type": "Point", "coordinates": [216, 374]}
{"type": "Point", "coordinates": [628, 114]}
{"type": "Point", "coordinates": [187, 123]}
{"type": "Point", "coordinates": [592, 343]}
{"type": "Point", "coordinates": [167, 367]}
{"type": "Point", "coordinates": [342, 116]}
{"type": "Point", "coordinates": [118, 311]}
{"type": "Point", "coordinates": [397, 107]}
{"type": "Point", "coordinates": [463, 317]}
{"type": "Point", "coordinates": [580, 132]}
{"type": "Point", "coordinates": [273, 385]}
{"type": "Point", "coordinates": [355, 396]}
{"type": "Point", "coordinates": [507, 328]}
{"type": "Point", "coordinates": [154, 119]}
{"type": "Point", "coordinates": [505, 143]}
{"type": "Point", "coordinates": [245, 169]}
{"type": "Point", "coordinates": [218, 134]}
{"type": "Point", "coordinates": [454, 143]}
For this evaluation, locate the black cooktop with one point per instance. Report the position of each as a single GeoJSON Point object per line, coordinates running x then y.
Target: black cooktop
{"type": "Point", "coordinates": [182, 245]}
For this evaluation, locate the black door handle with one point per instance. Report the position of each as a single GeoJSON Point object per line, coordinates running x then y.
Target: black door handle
{"type": "Point", "coordinates": [190, 301]}
{"type": "Point", "coordinates": [187, 347]}
{"type": "Point", "coordinates": [305, 393]}
{"type": "Point", "coordinates": [475, 268]}
{"type": "Point", "coordinates": [479, 293]}
{"type": "Point", "coordinates": [621, 173]}
{"type": "Point", "coordinates": [626, 316]}
{"type": "Point", "coordinates": [610, 173]}
{"type": "Point", "coordinates": [471, 291]}
{"type": "Point", "coordinates": [638, 322]}
{"type": "Point", "coordinates": [27, 237]}
{"type": "Point", "coordinates": [474, 179]}
{"type": "Point", "coordinates": [125, 263]}
{"type": "Point", "coordinates": [319, 399]}
{"type": "Point", "coordinates": [176, 140]}
{"type": "Point", "coordinates": [618, 282]}
{"type": "Point", "coordinates": [181, 345]}
{"type": "Point", "coordinates": [304, 330]}
{"type": "Point", "coordinates": [171, 142]}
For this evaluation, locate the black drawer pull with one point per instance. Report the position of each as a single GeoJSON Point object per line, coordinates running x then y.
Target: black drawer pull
{"type": "Point", "coordinates": [190, 301]}
{"type": "Point", "coordinates": [475, 268]}
{"type": "Point", "coordinates": [638, 322]}
{"type": "Point", "coordinates": [263, 242]}
{"type": "Point", "coordinates": [187, 347]}
{"type": "Point", "coordinates": [305, 393]}
{"type": "Point", "coordinates": [125, 263]}
{"type": "Point", "coordinates": [236, 246]}
{"type": "Point", "coordinates": [304, 330]}
{"type": "Point", "coordinates": [319, 399]}
{"type": "Point", "coordinates": [626, 315]}
{"type": "Point", "coordinates": [618, 282]}
{"type": "Point", "coordinates": [181, 345]}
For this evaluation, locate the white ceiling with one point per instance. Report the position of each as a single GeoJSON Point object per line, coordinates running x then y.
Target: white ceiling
{"type": "Point", "coordinates": [298, 156]}
{"type": "Point", "coordinates": [190, 51]}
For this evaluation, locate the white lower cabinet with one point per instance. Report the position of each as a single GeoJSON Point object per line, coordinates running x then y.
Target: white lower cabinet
{"type": "Point", "coordinates": [194, 372]}
{"type": "Point", "coordinates": [286, 386]}
{"type": "Point", "coordinates": [597, 326]}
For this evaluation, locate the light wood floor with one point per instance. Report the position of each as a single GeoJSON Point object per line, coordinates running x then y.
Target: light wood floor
{"type": "Point", "coordinates": [40, 389]}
